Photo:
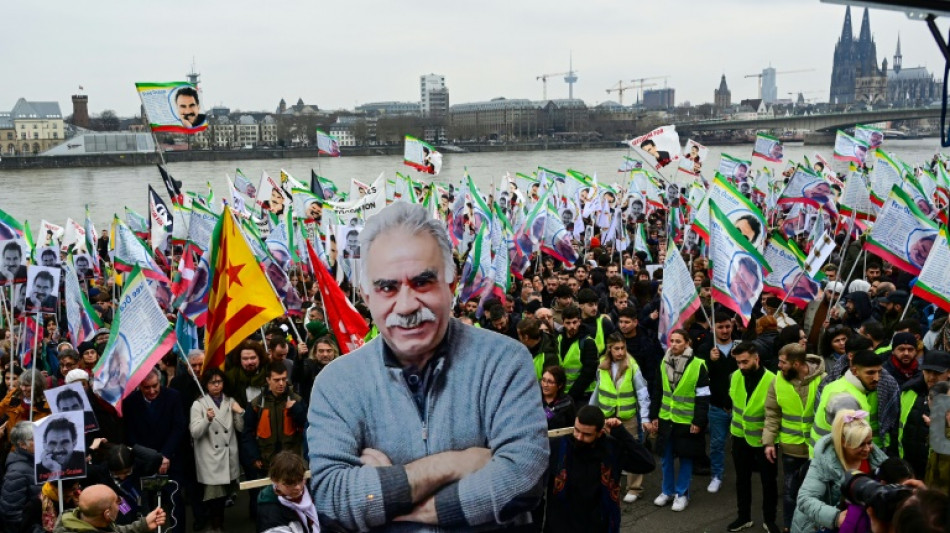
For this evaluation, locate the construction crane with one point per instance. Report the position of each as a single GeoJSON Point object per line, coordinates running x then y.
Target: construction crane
{"type": "Point", "coordinates": [639, 85]}
{"type": "Point", "coordinates": [620, 88]}
{"type": "Point", "coordinates": [544, 80]}
{"type": "Point", "coordinates": [759, 75]}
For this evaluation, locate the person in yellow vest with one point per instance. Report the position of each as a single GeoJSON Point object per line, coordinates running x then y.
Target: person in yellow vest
{"type": "Point", "coordinates": [621, 392]}
{"type": "Point", "coordinates": [789, 412]}
{"type": "Point", "coordinates": [578, 355]}
{"type": "Point", "coordinates": [859, 382]}
{"type": "Point", "coordinates": [680, 418]}
{"type": "Point", "coordinates": [600, 326]}
{"type": "Point", "coordinates": [748, 387]}
{"type": "Point", "coordinates": [540, 344]}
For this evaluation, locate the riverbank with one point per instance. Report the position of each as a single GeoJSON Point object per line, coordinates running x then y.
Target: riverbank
{"type": "Point", "coordinates": [183, 156]}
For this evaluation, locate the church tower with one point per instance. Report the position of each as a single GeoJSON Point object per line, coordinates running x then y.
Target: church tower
{"type": "Point", "coordinates": [722, 96]}
{"type": "Point", "coordinates": [842, 70]}
{"type": "Point", "coordinates": [897, 56]}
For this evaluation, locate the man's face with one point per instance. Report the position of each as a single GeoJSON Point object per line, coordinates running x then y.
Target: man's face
{"type": "Point", "coordinates": [187, 108]}
{"type": "Point", "coordinates": [276, 200]}
{"type": "Point", "coordinates": [471, 306]}
{"type": "Point", "coordinates": [789, 372]}
{"type": "Point", "coordinates": [551, 284]}
{"type": "Point", "coordinates": [620, 303]}
{"type": "Point", "coordinates": [627, 325]}
{"type": "Point", "coordinates": [49, 259]}
{"type": "Point", "coordinates": [500, 324]}
{"type": "Point", "coordinates": [573, 284]}
{"type": "Point", "coordinates": [325, 353]}
{"type": "Point", "coordinates": [932, 377]}
{"type": "Point", "coordinates": [652, 150]}
{"type": "Point", "coordinates": [746, 230]}
{"type": "Point", "coordinates": [250, 361]}
{"type": "Point", "coordinates": [150, 387]}
{"type": "Point", "coordinates": [11, 260]}
{"type": "Point", "coordinates": [831, 275]}
{"type": "Point", "coordinates": [741, 172]}
{"type": "Point", "coordinates": [873, 274]}
{"type": "Point", "coordinates": [59, 445]}
{"type": "Point", "coordinates": [745, 284]}
{"type": "Point", "coordinates": [82, 263]}
{"type": "Point", "coordinates": [571, 326]}
{"type": "Point", "coordinates": [581, 274]}
{"type": "Point", "coordinates": [869, 376]}
{"type": "Point", "coordinates": [724, 331]}
{"type": "Point", "coordinates": [314, 210]}
{"type": "Point", "coordinates": [612, 270]}
{"type": "Point", "coordinates": [195, 363]}
{"type": "Point", "coordinates": [277, 383]}
{"type": "Point", "coordinates": [920, 250]}
{"type": "Point", "coordinates": [353, 242]}
{"type": "Point", "coordinates": [409, 297]}
{"type": "Point", "coordinates": [279, 352]}
{"type": "Point", "coordinates": [42, 288]}
{"type": "Point", "coordinates": [905, 353]}
{"type": "Point", "coordinates": [70, 403]}
{"type": "Point", "coordinates": [746, 361]}
{"type": "Point", "coordinates": [585, 435]}
{"type": "Point", "coordinates": [589, 310]}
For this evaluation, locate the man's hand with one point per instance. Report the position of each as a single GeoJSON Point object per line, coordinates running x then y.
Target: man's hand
{"type": "Point", "coordinates": [302, 347]}
{"type": "Point", "coordinates": [290, 403]}
{"type": "Point", "coordinates": [714, 354]}
{"type": "Point", "coordinates": [693, 428]}
{"type": "Point", "coordinates": [155, 519]}
{"type": "Point", "coordinates": [373, 457]}
{"type": "Point", "coordinates": [97, 442]}
{"type": "Point", "coordinates": [165, 464]}
{"type": "Point", "coordinates": [423, 513]}
{"type": "Point", "coordinates": [770, 453]}
{"type": "Point", "coordinates": [611, 423]}
{"type": "Point", "coordinates": [49, 463]}
{"type": "Point", "coordinates": [654, 315]}
{"type": "Point", "coordinates": [430, 473]}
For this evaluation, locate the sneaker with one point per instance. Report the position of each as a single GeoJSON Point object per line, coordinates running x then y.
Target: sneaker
{"type": "Point", "coordinates": [632, 497]}
{"type": "Point", "coordinates": [770, 527]}
{"type": "Point", "coordinates": [714, 485]}
{"type": "Point", "coordinates": [739, 524]}
{"type": "Point", "coordinates": [661, 500]}
{"type": "Point", "coordinates": [679, 503]}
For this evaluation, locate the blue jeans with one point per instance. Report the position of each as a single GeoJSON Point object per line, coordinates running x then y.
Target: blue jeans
{"type": "Point", "coordinates": [719, 421]}
{"type": "Point", "coordinates": [681, 484]}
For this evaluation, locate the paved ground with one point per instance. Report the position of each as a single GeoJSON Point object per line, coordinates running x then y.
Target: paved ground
{"type": "Point", "coordinates": [705, 513]}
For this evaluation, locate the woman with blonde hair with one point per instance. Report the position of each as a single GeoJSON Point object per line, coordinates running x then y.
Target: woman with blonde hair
{"type": "Point", "coordinates": [847, 448]}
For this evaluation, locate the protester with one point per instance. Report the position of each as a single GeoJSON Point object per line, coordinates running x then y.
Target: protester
{"type": "Point", "coordinates": [286, 504]}
{"type": "Point", "coordinates": [98, 507]}
{"type": "Point", "coordinates": [19, 484]}
{"type": "Point", "coordinates": [216, 421]}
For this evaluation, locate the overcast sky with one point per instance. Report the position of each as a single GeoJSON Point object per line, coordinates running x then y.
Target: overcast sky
{"type": "Point", "coordinates": [340, 54]}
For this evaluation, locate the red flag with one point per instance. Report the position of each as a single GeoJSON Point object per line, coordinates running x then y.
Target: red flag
{"type": "Point", "coordinates": [347, 325]}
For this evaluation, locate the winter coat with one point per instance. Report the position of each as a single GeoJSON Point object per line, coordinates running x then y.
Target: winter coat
{"type": "Point", "coordinates": [821, 490]}
{"type": "Point", "coordinates": [18, 489]}
{"type": "Point", "coordinates": [71, 523]}
{"type": "Point", "coordinates": [773, 412]}
{"type": "Point", "coordinates": [216, 442]}
{"type": "Point", "coordinates": [685, 444]}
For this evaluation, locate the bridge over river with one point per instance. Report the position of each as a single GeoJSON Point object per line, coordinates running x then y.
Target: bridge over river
{"type": "Point", "coordinates": [819, 122]}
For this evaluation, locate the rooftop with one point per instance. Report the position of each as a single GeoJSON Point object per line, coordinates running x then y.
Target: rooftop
{"type": "Point", "coordinates": [24, 110]}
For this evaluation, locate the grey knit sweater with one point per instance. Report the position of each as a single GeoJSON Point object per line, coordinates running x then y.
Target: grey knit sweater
{"type": "Point", "coordinates": [484, 394]}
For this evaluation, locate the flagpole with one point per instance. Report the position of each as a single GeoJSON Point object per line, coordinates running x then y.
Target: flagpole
{"type": "Point", "coordinates": [907, 305]}
{"type": "Point", "coordinates": [848, 279]}
{"type": "Point", "coordinates": [33, 362]}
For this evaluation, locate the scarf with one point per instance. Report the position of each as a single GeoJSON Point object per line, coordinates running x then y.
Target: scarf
{"type": "Point", "coordinates": [306, 511]}
{"type": "Point", "coordinates": [676, 365]}
{"type": "Point", "coordinates": [907, 370]}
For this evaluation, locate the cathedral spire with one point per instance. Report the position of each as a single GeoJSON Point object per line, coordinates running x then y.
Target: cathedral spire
{"type": "Point", "coordinates": [846, 33]}
{"type": "Point", "coordinates": [865, 36]}
{"type": "Point", "coordinates": [897, 55]}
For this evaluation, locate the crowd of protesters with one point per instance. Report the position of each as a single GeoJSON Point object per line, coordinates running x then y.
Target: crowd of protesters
{"type": "Point", "coordinates": [844, 383]}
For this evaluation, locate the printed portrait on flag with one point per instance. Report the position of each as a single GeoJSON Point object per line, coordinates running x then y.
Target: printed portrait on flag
{"type": "Point", "coordinates": [800, 286]}
{"type": "Point", "coordinates": [272, 198]}
{"type": "Point", "coordinates": [737, 170]}
{"type": "Point", "coordinates": [872, 136]}
{"type": "Point", "coordinates": [749, 225]}
{"type": "Point", "coordinates": [13, 254]}
{"type": "Point", "coordinates": [919, 244]}
{"type": "Point", "coordinates": [848, 148]}
{"type": "Point", "coordinates": [48, 256]}
{"type": "Point", "coordinates": [72, 397]}
{"type": "Point", "coordinates": [42, 293]}
{"type": "Point", "coordinates": [636, 206]}
{"type": "Point", "coordinates": [694, 155]}
{"type": "Point", "coordinates": [744, 281]}
{"type": "Point", "coordinates": [60, 447]}
{"type": "Point", "coordinates": [83, 265]}
{"type": "Point", "coordinates": [172, 107]}
{"type": "Point", "coordinates": [349, 236]}
{"type": "Point", "coordinates": [661, 146]}
{"type": "Point", "coordinates": [111, 384]}
{"type": "Point", "coordinates": [567, 217]}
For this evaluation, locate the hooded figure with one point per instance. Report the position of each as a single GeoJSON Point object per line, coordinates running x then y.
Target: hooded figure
{"type": "Point", "coordinates": [858, 309]}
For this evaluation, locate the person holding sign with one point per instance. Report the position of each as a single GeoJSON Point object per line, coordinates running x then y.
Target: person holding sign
{"type": "Point", "coordinates": [97, 511]}
{"type": "Point", "coordinates": [59, 457]}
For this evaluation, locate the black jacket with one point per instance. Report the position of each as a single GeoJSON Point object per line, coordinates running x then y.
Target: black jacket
{"type": "Point", "coordinates": [581, 481]}
{"type": "Point", "coordinates": [916, 440]}
{"type": "Point", "coordinates": [589, 361]}
{"type": "Point", "coordinates": [18, 489]}
{"type": "Point", "coordinates": [720, 373]}
{"type": "Point", "coordinates": [647, 352]}
{"type": "Point", "coordinates": [272, 514]}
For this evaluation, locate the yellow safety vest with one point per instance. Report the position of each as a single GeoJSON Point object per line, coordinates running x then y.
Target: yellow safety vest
{"type": "Point", "coordinates": [620, 403]}
{"type": "Point", "coordinates": [822, 426]}
{"type": "Point", "coordinates": [678, 405]}
{"type": "Point", "coordinates": [748, 413]}
{"type": "Point", "coordinates": [539, 364]}
{"type": "Point", "coordinates": [572, 363]}
{"type": "Point", "coordinates": [797, 419]}
{"type": "Point", "coordinates": [908, 399]}
{"type": "Point", "coordinates": [599, 341]}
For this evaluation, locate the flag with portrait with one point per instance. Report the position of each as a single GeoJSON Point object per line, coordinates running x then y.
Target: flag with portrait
{"type": "Point", "coordinates": [902, 235]}
{"type": "Point", "coordinates": [738, 269]}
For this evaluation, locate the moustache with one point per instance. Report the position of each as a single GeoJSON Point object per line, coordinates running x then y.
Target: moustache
{"type": "Point", "coordinates": [396, 320]}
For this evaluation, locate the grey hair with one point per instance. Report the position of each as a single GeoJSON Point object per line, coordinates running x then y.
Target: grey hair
{"type": "Point", "coordinates": [37, 384]}
{"type": "Point", "coordinates": [412, 219]}
{"type": "Point", "coordinates": [22, 433]}
{"type": "Point", "coordinates": [154, 373]}
{"type": "Point", "coordinates": [840, 402]}
{"type": "Point", "coordinates": [195, 353]}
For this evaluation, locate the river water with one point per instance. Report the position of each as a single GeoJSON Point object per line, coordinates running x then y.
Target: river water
{"type": "Point", "coordinates": [55, 194]}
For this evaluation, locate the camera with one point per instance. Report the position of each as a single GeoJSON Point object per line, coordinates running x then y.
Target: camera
{"type": "Point", "coordinates": [153, 483]}
{"type": "Point", "coordinates": [862, 489]}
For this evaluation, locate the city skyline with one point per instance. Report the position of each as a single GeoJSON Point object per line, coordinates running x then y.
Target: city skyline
{"type": "Point", "coordinates": [340, 56]}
